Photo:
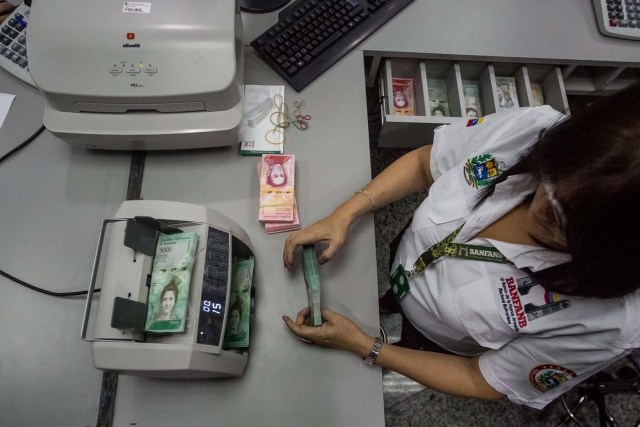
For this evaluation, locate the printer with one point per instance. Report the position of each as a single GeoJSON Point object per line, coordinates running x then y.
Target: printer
{"type": "Point", "coordinates": [139, 75]}
{"type": "Point", "coordinates": [114, 318]}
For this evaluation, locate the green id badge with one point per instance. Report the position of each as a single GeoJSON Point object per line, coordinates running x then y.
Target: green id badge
{"type": "Point", "coordinates": [399, 283]}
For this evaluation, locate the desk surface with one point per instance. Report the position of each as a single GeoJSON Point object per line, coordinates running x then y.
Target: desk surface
{"type": "Point", "coordinates": [54, 198]}
{"type": "Point", "coordinates": [563, 31]}
{"type": "Point", "coordinates": [286, 379]}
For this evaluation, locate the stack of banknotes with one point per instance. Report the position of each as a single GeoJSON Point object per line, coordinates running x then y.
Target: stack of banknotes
{"type": "Point", "coordinates": [312, 281]}
{"type": "Point", "coordinates": [278, 209]}
{"type": "Point", "coordinates": [239, 309]}
{"type": "Point", "coordinates": [170, 280]}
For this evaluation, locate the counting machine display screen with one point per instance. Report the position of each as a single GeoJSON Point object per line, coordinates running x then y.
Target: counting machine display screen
{"type": "Point", "coordinates": [214, 288]}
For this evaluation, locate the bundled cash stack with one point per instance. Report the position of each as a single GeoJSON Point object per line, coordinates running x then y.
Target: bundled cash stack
{"type": "Point", "coordinates": [278, 208]}
{"type": "Point", "coordinates": [312, 280]}
{"type": "Point", "coordinates": [239, 311]}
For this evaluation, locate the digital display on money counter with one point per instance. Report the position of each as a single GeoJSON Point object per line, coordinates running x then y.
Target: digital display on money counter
{"type": "Point", "coordinates": [214, 288]}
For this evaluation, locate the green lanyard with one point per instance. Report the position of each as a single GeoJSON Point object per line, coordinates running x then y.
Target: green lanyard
{"type": "Point", "coordinates": [400, 277]}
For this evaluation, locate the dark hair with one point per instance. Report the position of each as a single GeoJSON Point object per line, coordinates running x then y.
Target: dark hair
{"type": "Point", "coordinates": [171, 287]}
{"type": "Point", "coordinates": [438, 108]}
{"type": "Point", "coordinates": [595, 156]}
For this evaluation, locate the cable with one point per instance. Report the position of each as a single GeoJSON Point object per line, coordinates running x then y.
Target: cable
{"type": "Point", "coordinates": [15, 279]}
{"type": "Point", "coordinates": [44, 291]}
{"type": "Point", "coordinates": [21, 146]}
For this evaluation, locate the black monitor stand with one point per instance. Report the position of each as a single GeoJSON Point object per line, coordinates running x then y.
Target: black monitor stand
{"type": "Point", "coordinates": [261, 6]}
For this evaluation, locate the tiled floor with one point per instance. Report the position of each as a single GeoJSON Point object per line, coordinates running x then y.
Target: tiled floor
{"type": "Point", "coordinates": [408, 403]}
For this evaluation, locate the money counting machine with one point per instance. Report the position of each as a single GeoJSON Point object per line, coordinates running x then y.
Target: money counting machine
{"type": "Point", "coordinates": [114, 319]}
{"type": "Point", "coordinates": [139, 75]}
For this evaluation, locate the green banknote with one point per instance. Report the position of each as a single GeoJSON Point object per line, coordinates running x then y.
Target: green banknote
{"type": "Point", "coordinates": [239, 309]}
{"type": "Point", "coordinates": [170, 279]}
{"type": "Point", "coordinates": [312, 280]}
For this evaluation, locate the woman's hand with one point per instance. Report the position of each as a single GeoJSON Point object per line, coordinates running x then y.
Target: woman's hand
{"type": "Point", "coordinates": [331, 231]}
{"type": "Point", "coordinates": [5, 10]}
{"type": "Point", "coordinates": [337, 331]}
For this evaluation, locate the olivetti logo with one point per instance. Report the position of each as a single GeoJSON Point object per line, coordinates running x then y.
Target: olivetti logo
{"type": "Point", "coordinates": [131, 45]}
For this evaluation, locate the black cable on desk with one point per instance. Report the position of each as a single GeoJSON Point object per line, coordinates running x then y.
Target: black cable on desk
{"type": "Point", "coordinates": [44, 291]}
{"type": "Point", "coordinates": [15, 279]}
{"type": "Point", "coordinates": [21, 146]}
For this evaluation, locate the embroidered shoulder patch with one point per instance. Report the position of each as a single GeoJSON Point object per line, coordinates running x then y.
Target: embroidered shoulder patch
{"type": "Point", "coordinates": [479, 171]}
{"type": "Point", "coordinates": [547, 376]}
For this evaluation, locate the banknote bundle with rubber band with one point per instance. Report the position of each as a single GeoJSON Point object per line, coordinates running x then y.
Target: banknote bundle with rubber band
{"type": "Point", "coordinates": [278, 208]}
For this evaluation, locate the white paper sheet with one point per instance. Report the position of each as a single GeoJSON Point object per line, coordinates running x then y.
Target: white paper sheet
{"type": "Point", "coordinates": [5, 104]}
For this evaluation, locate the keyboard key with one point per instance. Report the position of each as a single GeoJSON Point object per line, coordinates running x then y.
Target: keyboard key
{"type": "Point", "coordinates": [292, 70]}
{"type": "Point", "coordinates": [326, 44]}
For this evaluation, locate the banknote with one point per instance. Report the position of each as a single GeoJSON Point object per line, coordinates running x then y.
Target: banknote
{"type": "Point", "coordinates": [170, 279]}
{"type": "Point", "coordinates": [471, 92]}
{"type": "Point", "coordinates": [277, 189]}
{"type": "Point", "coordinates": [312, 281]}
{"type": "Point", "coordinates": [282, 226]}
{"type": "Point", "coordinates": [438, 99]}
{"type": "Point", "coordinates": [506, 92]}
{"type": "Point", "coordinates": [239, 311]}
{"type": "Point", "coordinates": [279, 227]}
{"type": "Point", "coordinates": [536, 93]}
{"type": "Point", "coordinates": [403, 96]}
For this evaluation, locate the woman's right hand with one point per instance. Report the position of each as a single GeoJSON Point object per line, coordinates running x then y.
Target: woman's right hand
{"type": "Point", "coordinates": [330, 231]}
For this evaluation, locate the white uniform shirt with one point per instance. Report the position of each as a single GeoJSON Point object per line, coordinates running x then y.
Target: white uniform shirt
{"type": "Point", "coordinates": [535, 344]}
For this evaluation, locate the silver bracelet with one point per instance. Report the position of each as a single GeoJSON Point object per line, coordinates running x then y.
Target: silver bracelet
{"type": "Point", "coordinates": [370, 197]}
{"type": "Point", "coordinates": [373, 354]}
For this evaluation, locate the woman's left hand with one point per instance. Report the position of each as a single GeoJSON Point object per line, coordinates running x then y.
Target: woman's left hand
{"type": "Point", "coordinates": [337, 331]}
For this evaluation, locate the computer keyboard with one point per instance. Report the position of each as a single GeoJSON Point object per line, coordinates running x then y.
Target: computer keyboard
{"type": "Point", "coordinates": [312, 35]}
{"type": "Point", "coordinates": [618, 18]}
{"type": "Point", "coordinates": [13, 44]}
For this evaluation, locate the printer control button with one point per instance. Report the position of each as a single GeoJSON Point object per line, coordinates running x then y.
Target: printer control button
{"type": "Point", "coordinates": [115, 70]}
{"type": "Point", "coordinates": [151, 70]}
{"type": "Point", "coordinates": [132, 70]}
